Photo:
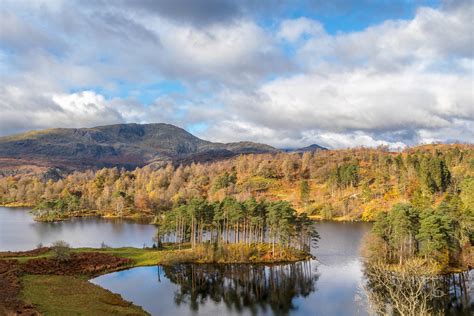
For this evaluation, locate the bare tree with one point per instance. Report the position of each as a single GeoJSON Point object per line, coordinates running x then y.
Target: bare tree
{"type": "Point", "coordinates": [404, 290]}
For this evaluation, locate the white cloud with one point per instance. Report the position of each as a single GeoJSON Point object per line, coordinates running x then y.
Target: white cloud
{"type": "Point", "coordinates": [357, 139]}
{"type": "Point", "coordinates": [433, 36]}
{"type": "Point", "coordinates": [84, 109]}
{"type": "Point", "coordinates": [237, 53]}
{"type": "Point", "coordinates": [395, 105]}
{"type": "Point", "coordinates": [399, 82]}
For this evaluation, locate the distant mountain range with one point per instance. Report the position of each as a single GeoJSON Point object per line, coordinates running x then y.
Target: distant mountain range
{"type": "Point", "coordinates": [312, 147]}
{"type": "Point", "coordinates": [121, 145]}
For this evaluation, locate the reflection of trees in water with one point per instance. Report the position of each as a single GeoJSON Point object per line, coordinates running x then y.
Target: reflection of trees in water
{"type": "Point", "coordinates": [241, 286]}
{"type": "Point", "coordinates": [406, 292]}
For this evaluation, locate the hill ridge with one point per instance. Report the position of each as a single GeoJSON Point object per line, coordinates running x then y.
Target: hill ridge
{"type": "Point", "coordinates": [126, 145]}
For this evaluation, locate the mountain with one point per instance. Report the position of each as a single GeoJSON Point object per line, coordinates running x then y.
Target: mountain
{"type": "Point", "coordinates": [312, 147]}
{"type": "Point", "coordinates": [122, 145]}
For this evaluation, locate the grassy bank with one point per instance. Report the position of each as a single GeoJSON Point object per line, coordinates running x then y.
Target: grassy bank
{"type": "Point", "coordinates": [171, 254]}
{"type": "Point", "coordinates": [17, 204]}
{"type": "Point", "coordinates": [37, 280]}
{"type": "Point", "coordinates": [337, 219]}
{"type": "Point", "coordinates": [49, 216]}
{"type": "Point", "coordinates": [68, 295]}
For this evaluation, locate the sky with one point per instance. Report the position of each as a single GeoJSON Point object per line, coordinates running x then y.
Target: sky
{"type": "Point", "coordinates": [286, 73]}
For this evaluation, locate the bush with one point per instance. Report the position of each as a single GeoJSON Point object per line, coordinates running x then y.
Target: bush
{"type": "Point", "coordinates": [61, 250]}
{"type": "Point", "coordinates": [326, 212]}
{"type": "Point", "coordinates": [256, 183]}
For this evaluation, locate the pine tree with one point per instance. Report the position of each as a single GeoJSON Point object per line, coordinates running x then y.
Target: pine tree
{"type": "Point", "coordinates": [404, 226]}
{"type": "Point", "coordinates": [434, 235]}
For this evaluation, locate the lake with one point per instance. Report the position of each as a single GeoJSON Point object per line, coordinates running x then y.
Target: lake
{"type": "Point", "coordinates": [330, 285]}
{"type": "Point", "coordinates": [19, 231]}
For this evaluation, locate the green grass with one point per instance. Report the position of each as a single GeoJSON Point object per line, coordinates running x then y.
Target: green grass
{"type": "Point", "coordinates": [231, 253]}
{"type": "Point", "coordinates": [238, 253]}
{"type": "Point", "coordinates": [140, 257]}
{"type": "Point", "coordinates": [26, 258]}
{"type": "Point", "coordinates": [66, 295]}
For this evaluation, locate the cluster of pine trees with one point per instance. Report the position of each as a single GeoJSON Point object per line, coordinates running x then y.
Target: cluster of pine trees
{"type": "Point", "coordinates": [443, 234]}
{"type": "Point", "coordinates": [353, 184]}
{"type": "Point", "coordinates": [231, 221]}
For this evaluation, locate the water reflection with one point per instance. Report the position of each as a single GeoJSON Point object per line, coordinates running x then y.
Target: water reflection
{"type": "Point", "coordinates": [18, 231]}
{"type": "Point", "coordinates": [218, 289]}
{"type": "Point", "coordinates": [408, 293]}
{"type": "Point", "coordinates": [330, 289]}
{"type": "Point", "coordinates": [243, 287]}
{"type": "Point", "coordinates": [225, 290]}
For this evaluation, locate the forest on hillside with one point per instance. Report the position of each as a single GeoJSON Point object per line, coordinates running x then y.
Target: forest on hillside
{"type": "Point", "coordinates": [346, 184]}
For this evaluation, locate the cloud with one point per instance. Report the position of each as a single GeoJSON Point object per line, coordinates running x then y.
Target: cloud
{"type": "Point", "coordinates": [199, 13]}
{"type": "Point", "coordinates": [245, 75]}
{"type": "Point", "coordinates": [98, 45]}
{"type": "Point", "coordinates": [401, 82]}
{"type": "Point", "coordinates": [84, 109]}
{"type": "Point", "coordinates": [431, 37]}
{"type": "Point", "coordinates": [236, 54]}
{"type": "Point", "coordinates": [378, 105]}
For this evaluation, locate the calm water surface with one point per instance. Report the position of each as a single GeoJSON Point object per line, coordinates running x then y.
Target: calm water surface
{"type": "Point", "coordinates": [329, 286]}
{"type": "Point", "coordinates": [18, 231]}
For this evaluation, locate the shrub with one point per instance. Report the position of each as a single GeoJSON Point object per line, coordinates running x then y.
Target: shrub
{"type": "Point", "coordinates": [61, 250]}
{"type": "Point", "coordinates": [326, 212]}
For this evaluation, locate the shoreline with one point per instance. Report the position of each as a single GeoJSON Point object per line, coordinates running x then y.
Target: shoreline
{"type": "Point", "coordinates": [138, 216]}
{"type": "Point", "coordinates": [28, 277]}
{"type": "Point", "coordinates": [395, 268]}
{"type": "Point", "coordinates": [79, 214]}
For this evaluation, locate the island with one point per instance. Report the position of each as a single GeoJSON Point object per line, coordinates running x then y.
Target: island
{"type": "Point", "coordinates": [270, 233]}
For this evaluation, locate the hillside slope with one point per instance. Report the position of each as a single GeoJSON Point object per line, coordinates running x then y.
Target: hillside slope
{"type": "Point", "coordinates": [350, 184]}
{"type": "Point", "coordinates": [123, 145]}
